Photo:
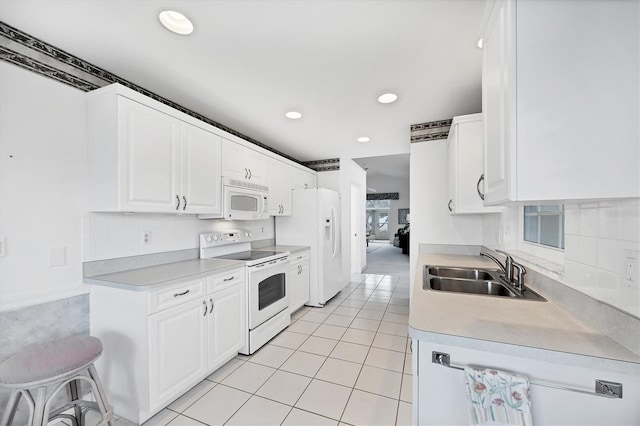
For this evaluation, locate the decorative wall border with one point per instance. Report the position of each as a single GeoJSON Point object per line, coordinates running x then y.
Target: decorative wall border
{"type": "Point", "coordinates": [30, 53]}
{"type": "Point", "coordinates": [430, 131]}
{"type": "Point", "coordinates": [384, 196]}
{"type": "Point", "coordinates": [323, 165]}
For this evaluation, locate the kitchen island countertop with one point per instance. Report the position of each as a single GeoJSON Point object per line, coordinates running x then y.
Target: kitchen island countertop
{"type": "Point", "coordinates": [528, 327]}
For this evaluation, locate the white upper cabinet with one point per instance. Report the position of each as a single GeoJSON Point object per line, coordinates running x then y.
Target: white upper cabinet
{"type": "Point", "coordinates": [201, 183]}
{"type": "Point", "coordinates": [304, 179]}
{"type": "Point", "coordinates": [561, 100]}
{"type": "Point", "coordinates": [279, 188]}
{"type": "Point", "coordinates": [142, 159]}
{"type": "Point", "coordinates": [242, 163]}
{"type": "Point", "coordinates": [466, 175]}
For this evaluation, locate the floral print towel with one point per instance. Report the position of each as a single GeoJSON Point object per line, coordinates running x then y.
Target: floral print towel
{"type": "Point", "coordinates": [497, 397]}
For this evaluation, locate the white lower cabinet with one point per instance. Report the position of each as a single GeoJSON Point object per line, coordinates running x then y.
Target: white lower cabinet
{"type": "Point", "coordinates": [177, 350]}
{"type": "Point", "coordinates": [439, 393]}
{"type": "Point", "coordinates": [158, 344]}
{"type": "Point", "coordinates": [298, 280]}
{"type": "Point", "coordinates": [226, 329]}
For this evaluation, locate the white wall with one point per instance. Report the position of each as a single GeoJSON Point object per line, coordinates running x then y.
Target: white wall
{"type": "Point", "coordinates": [431, 222]}
{"type": "Point", "coordinates": [43, 170]}
{"type": "Point", "coordinates": [112, 235]}
{"type": "Point", "coordinates": [43, 178]}
{"type": "Point", "coordinates": [384, 183]}
{"type": "Point", "coordinates": [341, 181]}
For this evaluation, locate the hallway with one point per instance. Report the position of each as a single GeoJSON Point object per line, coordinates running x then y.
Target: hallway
{"type": "Point", "coordinates": [385, 259]}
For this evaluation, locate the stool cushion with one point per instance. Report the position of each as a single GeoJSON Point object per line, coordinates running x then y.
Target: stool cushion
{"type": "Point", "coordinates": [49, 359]}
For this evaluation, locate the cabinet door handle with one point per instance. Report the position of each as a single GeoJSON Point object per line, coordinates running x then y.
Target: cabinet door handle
{"type": "Point", "coordinates": [204, 303]}
{"type": "Point", "coordinates": [178, 200]}
{"type": "Point", "coordinates": [480, 194]}
{"type": "Point", "coordinates": [229, 279]}
{"type": "Point", "coordinates": [185, 203]}
{"type": "Point", "coordinates": [211, 308]}
{"type": "Point", "coordinates": [449, 205]}
{"type": "Point", "coordinates": [181, 294]}
{"type": "Point", "coordinates": [250, 174]}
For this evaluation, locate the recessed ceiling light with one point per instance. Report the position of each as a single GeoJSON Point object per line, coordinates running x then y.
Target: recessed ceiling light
{"type": "Point", "coordinates": [294, 115]}
{"type": "Point", "coordinates": [387, 98]}
{"type": "Point", "coordinates": [176, 22]}
{"type": "Point", "coordinates": [363, 139]}
{"type": "Point", "coordinates": [479, 43]}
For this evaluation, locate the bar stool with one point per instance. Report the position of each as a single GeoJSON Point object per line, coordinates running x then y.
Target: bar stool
{"type": "Point", "coordinates": [39, 371]}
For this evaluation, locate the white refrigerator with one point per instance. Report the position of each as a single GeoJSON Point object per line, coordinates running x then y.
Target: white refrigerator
{"type": "Point", "coordinates": [315, 222]}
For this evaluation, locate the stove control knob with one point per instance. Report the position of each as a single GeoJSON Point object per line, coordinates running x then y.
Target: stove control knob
{"type": "Point", "coordinates": [246, 234]}
{"type": "Point", "coordinates": [216, 238]}
{"type": "Point", "coordinates": [250, 235]}
{"type": "Point", "coordinates": [209, 238]}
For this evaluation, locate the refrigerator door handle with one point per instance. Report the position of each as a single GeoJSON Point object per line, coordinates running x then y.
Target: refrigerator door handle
{"type": "Point", "coordinates": [333, 231]}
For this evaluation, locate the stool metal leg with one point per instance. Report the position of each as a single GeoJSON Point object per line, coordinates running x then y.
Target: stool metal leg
{"type": "Point", "coordinates": [12, 406]}
{"type": "Point", "coordinates": [40, 416]}
{"type": "Point", "coordinates": [101, 397]}
{"type": "Point", "coordinates": [73, 389]}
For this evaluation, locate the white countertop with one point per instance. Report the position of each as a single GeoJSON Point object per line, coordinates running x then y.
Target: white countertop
{"type": "Point", "coordinates": [280, 248]}
{"type": "Point", "coordinates": [533, 324]}
{"type": "Point", "coordinates": [145, 279]}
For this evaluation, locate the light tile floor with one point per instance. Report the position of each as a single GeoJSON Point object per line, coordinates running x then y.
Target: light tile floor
{"type": "Point", "coordinates": [346, 363]}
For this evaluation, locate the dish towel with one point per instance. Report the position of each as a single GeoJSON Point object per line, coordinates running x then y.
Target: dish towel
{"type": "Point", "coordinates": [497, 397]}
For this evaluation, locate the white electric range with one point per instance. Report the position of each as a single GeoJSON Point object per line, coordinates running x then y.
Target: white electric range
{"type": "Point", "coordinates": [266, 271]}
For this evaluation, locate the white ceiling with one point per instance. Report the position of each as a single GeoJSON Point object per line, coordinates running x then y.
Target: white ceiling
{"type": "Point", "coordinates": [250, 61]}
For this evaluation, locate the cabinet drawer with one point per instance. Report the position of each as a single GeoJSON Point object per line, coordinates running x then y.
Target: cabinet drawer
{"type": "Point", "coordinates": [176, 295]}
{"type": "Point", "coordinates": [302, 256]}
{"type": "Point", "coordinates": [224, 280]}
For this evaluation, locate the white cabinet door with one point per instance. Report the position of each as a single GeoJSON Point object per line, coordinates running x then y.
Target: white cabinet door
{"type": "Point", "coordinates": [148, 158]}
{"type": "Point", "coordinates": [498, 90]}
{"type": "Point", "coordinates": [466, 176]}
{"type": "Point", "coordinates": [226, 325]}
{"type": "Point", "coordinates": [279, 188]}
{"type": "Point", "coordinates": [177, 350]}
{"type": "Point", "coordinates": [304, 180]}
{"type": "Point", "coordinates": [440, 392]}
{"type": "Point", "coordinates": [240, 162]}
{"type": "Point", "coordinates": [556, 128]}
{"type": "Point", "coordinates": [298, 281]}
{"type": "Point", "coordinates": [200, 159]}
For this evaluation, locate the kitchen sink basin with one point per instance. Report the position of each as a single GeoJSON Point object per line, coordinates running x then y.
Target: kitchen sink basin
{"type": "Point", "coordinates": [490, 288]}
{"type": "Point", "coordinates": [467, 273]}
{"type": "Point", "coordinates": [484, 282]}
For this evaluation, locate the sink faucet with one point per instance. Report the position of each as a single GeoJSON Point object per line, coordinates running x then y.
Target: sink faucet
{"type": "Point", "coordinates": [507, 268]}
{"type": "Point", "coordinates": [508, 265]}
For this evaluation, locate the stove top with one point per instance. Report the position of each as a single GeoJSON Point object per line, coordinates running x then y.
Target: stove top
{"type": "Point", "coordinates": [248, 255]}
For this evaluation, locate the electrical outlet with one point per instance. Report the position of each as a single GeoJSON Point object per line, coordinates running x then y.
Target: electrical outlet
{"type": "Point", "coordinates": [630, 266]}
{"type": "Point", "coordinates": [146, 237]}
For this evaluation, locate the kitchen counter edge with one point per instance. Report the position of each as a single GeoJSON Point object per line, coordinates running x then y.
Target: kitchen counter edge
{"type": "Point", "coordinates": [155, 277]}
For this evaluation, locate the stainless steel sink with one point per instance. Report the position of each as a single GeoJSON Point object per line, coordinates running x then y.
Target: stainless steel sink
{"type": "Point", "coordinates": [485, 282]}
{"type": "Point", "coordinates": [490, 288]}
{"type": "Point", "coordinates": [471, 274]}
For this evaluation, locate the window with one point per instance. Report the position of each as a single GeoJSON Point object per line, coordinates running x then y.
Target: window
{"type": "Point", "coordinates": [544, 225]}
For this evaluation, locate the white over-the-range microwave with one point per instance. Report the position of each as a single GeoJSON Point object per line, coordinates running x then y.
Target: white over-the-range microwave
{"type": "Point", "coordinates": [242, 200]}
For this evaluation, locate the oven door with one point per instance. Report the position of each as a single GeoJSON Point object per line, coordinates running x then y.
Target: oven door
{"type": "Point", "coordinates": [267, 290]}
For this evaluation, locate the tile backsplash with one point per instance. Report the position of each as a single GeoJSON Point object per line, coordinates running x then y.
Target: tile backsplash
{"type": "Point", "coordinates": [114, 235]}
{"type": "Point", "coordinates": [600, 239]}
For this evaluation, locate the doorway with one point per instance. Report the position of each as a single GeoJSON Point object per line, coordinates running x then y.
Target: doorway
{"type": "Point", "coordinates": [377, 219]}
